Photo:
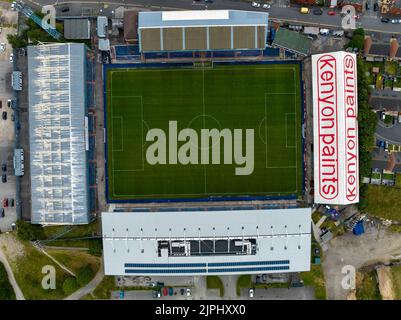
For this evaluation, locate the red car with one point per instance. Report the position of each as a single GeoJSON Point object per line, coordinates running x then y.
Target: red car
{"type": "Point", "coordinates": [165, 291]}
{"type": "Point", "coordinates": [331, 13]}
{"type": "Point", "coordinates": [5, 202]}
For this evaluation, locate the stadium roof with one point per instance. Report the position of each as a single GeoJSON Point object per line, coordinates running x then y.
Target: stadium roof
{"type": "Point", "coordinates": [292, 41]}
{"type": "Point", "coordinates": [165, 19]}
{"type": "Point", "coordinates": [250, 241]}
{"type": "Point", "coordinates": [57, 137]}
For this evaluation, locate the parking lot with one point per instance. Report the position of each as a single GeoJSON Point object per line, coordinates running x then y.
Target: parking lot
{"type": "Point", "coordinates": [7, 136]}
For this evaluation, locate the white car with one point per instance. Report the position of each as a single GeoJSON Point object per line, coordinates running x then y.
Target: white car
{"type": "Point", "coordinates": [13, 6]}
{"type": "Point", "coordinates": [251, 292]}
{"type": "Point", "coordinates": [255, 4]}
{"type": "Point", "coordinates": [2, 47]}
{"type": "Point", "coordinates": [11, 57]}
{"type": "Point", "coordinates": [266, 6]}
{"type": "Point", "coordinates": [188, 292]}
{"type": "Point", "coordinates": [396, 21]}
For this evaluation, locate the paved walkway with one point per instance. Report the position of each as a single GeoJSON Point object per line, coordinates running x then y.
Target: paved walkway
{"type": "Point", "coordinates": [90, 286]}
{"type": "Point", "coordinates": [18, 293]}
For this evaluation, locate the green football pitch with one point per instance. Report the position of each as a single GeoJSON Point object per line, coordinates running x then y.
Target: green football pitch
{"type": "Point", "coordinates": [262, 97]}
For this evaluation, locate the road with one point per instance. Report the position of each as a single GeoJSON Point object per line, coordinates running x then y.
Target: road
{"type": "Point", "coordinates": [278, 12]}
{"type": "Point", "coordinates": [90, 286]}
{"type": "Point", "coordinates": [18, 293]}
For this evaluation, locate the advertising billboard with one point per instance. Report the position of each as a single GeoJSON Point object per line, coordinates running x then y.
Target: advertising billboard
{"type": "Point", "coordinates": [335, 128]}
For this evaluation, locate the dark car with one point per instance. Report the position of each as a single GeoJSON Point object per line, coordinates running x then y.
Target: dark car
{"type": "Point", "coordinates": [66, 9]}
{"type": "Point", "coordinates": [4, 178]}
{"type": "Point", "coordinates": [375, 7]}
{"type": "Point", "coordinates": [5, 202]}
{"type": "Point", "coordinates": [4, 115]}
{"type": "Point", "coordinates": [11, 202]}
{"type": "Point", "coordinates": [367, 6]}
{"type": "Point", "coordinates": [2, 212]}
{"type": "Point", "coordinates": [182, 291]}
{"type": "Point", "coordinates": [385, 20]}
{"type": "Point", "coordinates": [4, 167]}
{"type": "Point", "coordinates": [318, 12]}
{"type": "Point", "coordinates": [170, 291]}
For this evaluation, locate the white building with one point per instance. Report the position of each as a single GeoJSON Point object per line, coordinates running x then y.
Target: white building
{"type": "Point", "coordinates": [207, 242]}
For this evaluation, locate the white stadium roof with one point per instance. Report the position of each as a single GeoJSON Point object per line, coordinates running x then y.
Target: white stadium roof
{"type": "Point", "coordinates": [58, 163]}
{"type": "Point", "coordinates": [211, 242]}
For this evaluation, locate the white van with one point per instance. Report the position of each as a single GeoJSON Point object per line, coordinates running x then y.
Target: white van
{"type": "Point", "coordinates": [324, 32]}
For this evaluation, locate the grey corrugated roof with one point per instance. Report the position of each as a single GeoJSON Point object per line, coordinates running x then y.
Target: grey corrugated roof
{"type": "Point", "coordinates": [77, 29]}
{"type": "Point", "coordinates": [58, 163]}
{"type": "Point", "coordinates": [379, 49]}
{"type": "Point", "coordinates": [282, 234]}
{"type": "Point", "coordinates": [385, 99]}
{"type": "Point", "coordinates": [153, 19]}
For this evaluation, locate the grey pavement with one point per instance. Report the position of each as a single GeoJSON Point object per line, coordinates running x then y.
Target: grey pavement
{"type": "Point", "coordinates": [370, 21]}
{"type": "Point", "coordinates": [391, 134]}
{"type": "Point", "coordinates": [375, 245]}
{"type": "Point", "coordinates": [7, 137]}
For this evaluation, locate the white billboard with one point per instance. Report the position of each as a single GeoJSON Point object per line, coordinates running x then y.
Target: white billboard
{"type": "Point", "coordinates": [335, 128]}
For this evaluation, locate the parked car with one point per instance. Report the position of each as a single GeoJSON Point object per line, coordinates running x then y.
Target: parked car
{"type": "Point", "coordinates": [266, 6]}
{"type": "Point", "coordinates": [188, 292]}
{"type": "Point", "coordinates": [65, 9]}
{"type": "Point", "coordinates": [165, 291]}
{"type": "Point", "coordinates": [385, 20]}
{"type": "Point", "coordinates": [13, 6]}
{"type": "Point", "coordinates": [2, 212]}
{"type": "Point", "coordinates": [331, 13]}
{"type": "Point", "coordinates": [9, 103]}
{"type": "Point", "coordinates": [4, 115]}
{"type": "Point", "coordinates": [4, 178]}
{"type": "Point", "coordinates": [4, 167]}
{"type": "Point", "coordinates": [255, 4]}
{"type": "Point", "coordinates": [304, 10]}
{"type": "Point", "coordinates": [395, 21]}
{"type": "Point", "coordinates": [5, 202]}
{"type": "Point", "coordinates": [182, 291]}
{"type": "Point", "coordinates": [11, 57]}
{"type": "Point", "coordinates": [2, 47]}
{"type": "Point", "coordinates": [367, 6]}
{"type": "Point", "coordinates": [121, 295]}
{"type": "Point", "coordinates": [318, 12]}
{"type": "Point", "coordinates": [251, 293]}
{"type": "Point", "coordinates": [375, 6]}
{"type": "Point", "coordinates": [11, 202]}
{"type": "Point", "coordinates": [170, 291]}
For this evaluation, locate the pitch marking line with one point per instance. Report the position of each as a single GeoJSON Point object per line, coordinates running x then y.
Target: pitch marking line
{"type": "Point", "coordinates": [122, 135]}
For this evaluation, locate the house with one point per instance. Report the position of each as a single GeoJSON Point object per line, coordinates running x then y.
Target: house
{"type": "Point", "coordinates": [391, 7]}
{"type": "Point", "coordinates": [387, 100]}
{"type": "Point", "coordinates": [131, 26]}
{"type": "Point", "coordinates": [380, 51]}
{"type": "Point", "coordinates": [359, 5]}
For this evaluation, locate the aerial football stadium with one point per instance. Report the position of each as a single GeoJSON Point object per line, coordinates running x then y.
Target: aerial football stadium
{"type": "Point", "coordinates": [182, 100]}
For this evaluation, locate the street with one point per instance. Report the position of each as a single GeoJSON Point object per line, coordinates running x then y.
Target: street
{"type": "Point", "coordinates": [370, 21]}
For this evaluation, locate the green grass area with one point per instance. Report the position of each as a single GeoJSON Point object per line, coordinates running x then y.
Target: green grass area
{"type": "Point", "coordinates": [103, 290]}
{"type": "Point", "coordinates": [263, 98]}
{"type": "Point", "coordinates": [388, 119]}
{"type": "Point", "coordinates": [244, 281]}
{"type": "Point", "coordinates": [214, 282]}
{"type": "Point", "coordinates": [367, 287]}
{"type": "Point", "coordinates": [315, 278]}
{"type": "Point", "coordinates": [384, 202]}
{"type": "Point", "coordinates": [398, 180]}
{"type": "Point", "coordinates": [75, 260]}
{"type": "Point", "coordinates": [28, 273]}
{"type": "Point", "coordinates": [376, 175]}
{"type": "Point", "coordinates": [388, 176]}
{"type": "Point", "coordinates": [6, 290]}
{"type": "Point", "coordinates": [396, 277]}
{"type": "Point", "coordinates": [90, 229]}
{"type": "Point", "coordinates": [391, 67]}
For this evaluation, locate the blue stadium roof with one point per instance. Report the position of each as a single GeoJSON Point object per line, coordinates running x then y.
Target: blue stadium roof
{"type": "Point", "coordinates": [194, 18]}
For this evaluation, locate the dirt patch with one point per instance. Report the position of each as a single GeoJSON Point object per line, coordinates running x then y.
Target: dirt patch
{"type": "Point", "coordinates": [385, 282]}
{"type": "Point", "coordinates": [12, 247]}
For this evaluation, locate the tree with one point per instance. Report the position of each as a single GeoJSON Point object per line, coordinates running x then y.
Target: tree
{"type": "Point", "coordinates": [85, 275]}
{"type": "Point", "coordinates": [70, 285]}
{"type": "Point", "coordinates": [29, 232]}
{"type": "Point", "coordinates": [95, 247]}
{"type": "Point", "coordinates": [358, 39]}
{"type": "Point", "coordinates": [16, 41]}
